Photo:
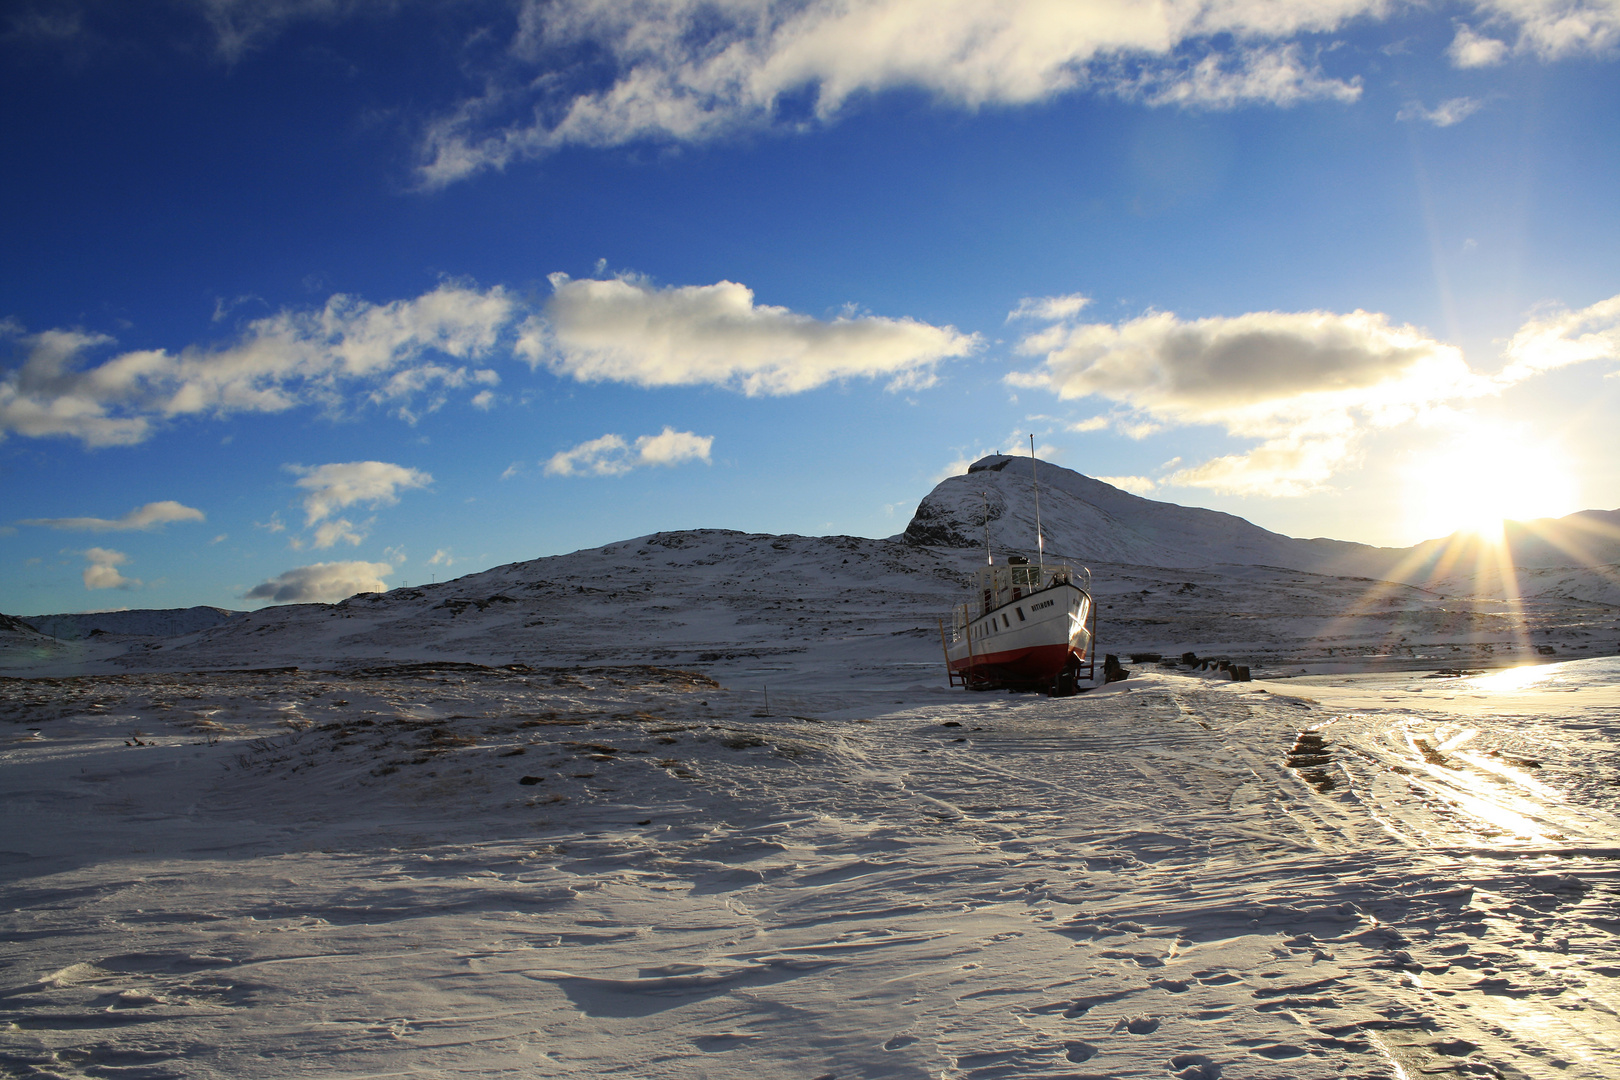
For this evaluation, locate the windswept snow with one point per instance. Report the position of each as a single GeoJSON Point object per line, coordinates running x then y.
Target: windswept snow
{"type": "Point", "coordinates": [566, 872]}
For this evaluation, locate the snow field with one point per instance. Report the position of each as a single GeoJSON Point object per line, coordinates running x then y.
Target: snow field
{"type": "Point", "coordinates": [467, 870]}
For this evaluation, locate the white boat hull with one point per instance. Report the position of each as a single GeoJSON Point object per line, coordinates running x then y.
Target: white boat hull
{"type": "Point", "coordinates": [1038, 641]}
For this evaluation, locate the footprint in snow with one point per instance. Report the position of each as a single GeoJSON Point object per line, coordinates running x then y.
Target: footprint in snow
{"type": "Point", "coordinates": [899, 1041]}
{"type": "Point", "coordinates": [1280, 1051]}
{"type": "Point", "coordinates": [1079, 1051]}
{"type": "Point", "coordinates": [1223, 979]}
{"type": "Point", "coordinates": [1139, 1025]}
{"type": "Point", "coordinates": [1078, 1007]}
{"type": "Point", "coordinates": [725, 1040]}
{"type": "Point", "coordinates": [1194, 1067]}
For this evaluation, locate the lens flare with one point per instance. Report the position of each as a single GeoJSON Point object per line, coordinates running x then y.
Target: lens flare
{"type": "Point", "coordinates": [1483, 475]}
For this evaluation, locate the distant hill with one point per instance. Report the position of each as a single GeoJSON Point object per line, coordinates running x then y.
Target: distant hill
{"type": "Point", "coordinates": [160, 622]}
{"type": "Point", "coordinates": [1587, 538]}
{"type": "Point", "coordinates": [21, 645]}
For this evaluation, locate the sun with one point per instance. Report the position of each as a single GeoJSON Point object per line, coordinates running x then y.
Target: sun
{"type": "Point", "coordinates": [1484, 475]}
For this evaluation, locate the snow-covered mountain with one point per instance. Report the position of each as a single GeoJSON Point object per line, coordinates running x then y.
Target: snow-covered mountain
{"type": "Point", "coordinates": [1090, 521]}
{"type": "Point", "coordinates": [760, 607]}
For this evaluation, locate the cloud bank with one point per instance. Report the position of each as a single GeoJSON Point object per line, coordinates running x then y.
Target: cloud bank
{"type": "Point", "coordinates": [627, 330]}
{"type": "Point", "coordinates": [322, 583]}
{"type": "Point", "coordinates": [604, 73]}
{"type": "Point", "coordinates": [278, 362]}
{"type": "Point", "coordinates": [153, 515]}
{"type": "Point", "coordinates": [683, 71]}
{"type": "Point", "coordinates": [610, 455]}
{"type": "Point", "coordinates": [1307, 385]}
{"type": "Point", "coordinates": [1542, 29]}
{"type": "Point", "coordinates": [411, 354]}
{"type": "Point", "coordinates": [589, 73]}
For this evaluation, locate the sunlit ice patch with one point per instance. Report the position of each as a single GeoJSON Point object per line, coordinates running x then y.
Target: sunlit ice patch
{"type": "Point", "coordinates": [1513, 680]}
{"type": "Point", "coordinates": [1592, 675]}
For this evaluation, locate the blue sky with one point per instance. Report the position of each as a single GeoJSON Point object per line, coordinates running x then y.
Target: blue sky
{"type": "Point", "coordinates": [304, 297]}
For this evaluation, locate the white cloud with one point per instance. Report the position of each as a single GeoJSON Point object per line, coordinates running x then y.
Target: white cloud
{"type": "Point", "coordinates": [1049, 308]}
{"type": "Point", "coordinates": [685, 71]}
{"type": "Point", "coordinates": [670, 447]}
{"type": "Point", "coordinates": [610, 455]}
{"type": "Point", "coordinates": [328, 533]}
{"type": "Point", "coordinates": [1471, 50]}
{"type": "Point", "coordinates": [336, 486]}
{"type": "Point", "coordinates": [627, 330]}
{"type": "Point", "coordinates": [322, 583]}
{"type": "Point", "coordinates": [1304, 384]}
{"type": "Point", "coordinates": [153, 515]}
{"type": "Point", "coordinates": [444, 557]}
{"type": "Point", "coordinates": [1561, 338]}
{"type": "Point", "coordinates": [102, 573]}
{"type": "Point", "coordinates": [1296, 462]}
{"type": "Point", "coordinates": [1247, 365]}
{"type": "Point", "coordinates": [286, 359]}
{"type": "Point", "coordinates": [1445, 114]}
{"type": "Point", "coordinates": [1554, 29]}
{"type": "Point", "coordinates": [1136, 485]}
{"type": "Point", "coordinates": [1090, 423]}
{"type": "Point", "coordinates": [1274, 76]}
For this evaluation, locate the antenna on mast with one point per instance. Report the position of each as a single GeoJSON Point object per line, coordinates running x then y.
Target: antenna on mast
{"type": "Point", "coordinates": [1040, 541]}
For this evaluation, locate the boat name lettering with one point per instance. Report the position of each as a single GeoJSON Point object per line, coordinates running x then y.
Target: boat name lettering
{"type": "Point", "coordinates": [1044, 603]}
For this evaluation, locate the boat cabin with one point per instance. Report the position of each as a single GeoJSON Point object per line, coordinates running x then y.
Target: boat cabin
{"type": "Point", "coordinates": [998, 585]}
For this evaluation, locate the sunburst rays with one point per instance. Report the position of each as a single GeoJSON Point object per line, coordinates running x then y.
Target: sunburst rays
{"type": "Point", "coordinates": [1478, 579]}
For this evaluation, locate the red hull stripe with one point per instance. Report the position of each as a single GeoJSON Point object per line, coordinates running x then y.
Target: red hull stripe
{"type": "Point", "coordinates": [1038, 663]}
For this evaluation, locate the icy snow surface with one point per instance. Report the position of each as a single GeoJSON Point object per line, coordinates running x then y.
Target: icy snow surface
{"type": "Point", "coordinates": [459, 870]}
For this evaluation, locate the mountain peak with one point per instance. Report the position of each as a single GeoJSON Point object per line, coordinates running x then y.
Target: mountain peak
{"type": "Point", "coordinates": [1089, 520]}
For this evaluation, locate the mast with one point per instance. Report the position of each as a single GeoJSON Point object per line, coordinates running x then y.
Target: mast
{"type": "Point", "coordinates": [1040, 541]}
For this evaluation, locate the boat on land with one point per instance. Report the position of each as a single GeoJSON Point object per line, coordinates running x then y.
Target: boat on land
{"type": "Point", "coordinates": [1026, 626]}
